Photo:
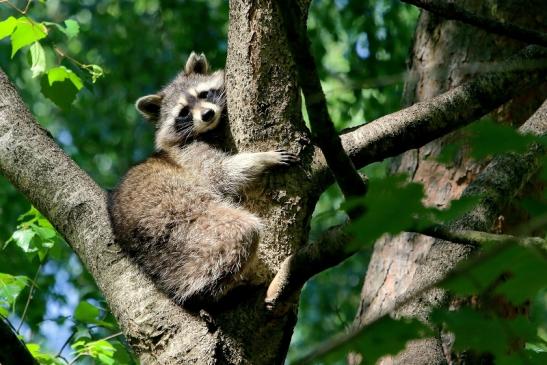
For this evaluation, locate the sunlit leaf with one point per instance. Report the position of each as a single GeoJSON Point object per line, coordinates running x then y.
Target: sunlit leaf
{"type": "Point", "coordinates": [101, 351]}
{"type": "Point", "coordinates": [61, 85]}
{"type": "Point", "coordinates": [23, 238]}
{"type": "Point", "coordinates": [38, 59]}
{"type": "Point", "coordinates": [62, 73]}
{"type": "Point", "coordinates": [43, 358]}
{"type": "Point", "coordinates": [7, 26]}
{"type": "Point", "coordinates": [26, 32]}
{"type": "Point", "coordinates": [10, 288]}
{"type": "Point", "coordinates": [95, 71]}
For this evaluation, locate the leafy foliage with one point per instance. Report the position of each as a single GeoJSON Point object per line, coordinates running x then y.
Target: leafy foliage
{"type": "Point", "coordinates": [385, 336]}
{"type": "Point", "coordinates": [35, 237]}
{"type": "Point", "coordinates": [10, 288]}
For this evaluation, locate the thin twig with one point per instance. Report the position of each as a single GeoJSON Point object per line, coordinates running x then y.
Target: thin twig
{"type": "Point", "coordinates": [29, 298]}
{"type": "Point", "coordinates": [66, 342]}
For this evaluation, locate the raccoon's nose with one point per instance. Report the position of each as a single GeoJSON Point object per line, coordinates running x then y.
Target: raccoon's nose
{"type": "Point", "coordinates": [207, 115]}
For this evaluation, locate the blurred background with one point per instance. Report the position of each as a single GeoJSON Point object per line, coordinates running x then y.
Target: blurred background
{"type": "Point", "coordinates": [360, 47]}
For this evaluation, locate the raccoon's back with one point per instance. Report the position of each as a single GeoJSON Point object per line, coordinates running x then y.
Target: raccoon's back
{"type": "Point", "coordinates": [151, 200]}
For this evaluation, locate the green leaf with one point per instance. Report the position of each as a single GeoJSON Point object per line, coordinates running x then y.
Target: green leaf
{"type": "Point", "coordinates": [7, 26]}
{"type": "Point", "coordinates": [524, 270]}
{"type": "Point", "coordinates": [488, 138]}
{"type": "Point", "coordinates": [457, 208]}
{"type": "Point", "coordinates": [72, 28]}
{"type": "Point", "coordinates": [10, 288]}
{"type": "Point", "coordinates": [527, 273]}
{"type": "Point", "coordinates": [101, 350]}
{"type": "Point", "coordinates": [45, 233]}
{"type": "Point", "coordinates": [87, 313]}
{"type": "Point", "coordinates": [23, 238]}
{"type": "Point", "coordinates": [486, 333]}
{"type": "Point", "coordinates": [386, 196]}
{"type": "Point", "coordinates": [26, 32]}
{"type": "Point", "coordinates": [38, 59]}
{"type": "Point", "coordinates": [95, 71]}
{"type": "Point", "coordinates": [386, 336]}
{"type": "Point", "coordinates": [61, 86]}
{"type": "Point", "coordinates": [42, 357]}
{"type": "Point", "coordinates": [62, 73]}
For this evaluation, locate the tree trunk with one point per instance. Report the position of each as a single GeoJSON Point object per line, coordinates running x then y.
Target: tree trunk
{"type": "Point", "coordinates": [265, 114]}
{"type": "Point", "coordinates": [445, 54]}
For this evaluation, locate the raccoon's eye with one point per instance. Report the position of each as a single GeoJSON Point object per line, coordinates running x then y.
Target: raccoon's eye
{"type": "Point", "coordinates": [203, 94]}
{"type": "Point", "coordinates": [184, 112]}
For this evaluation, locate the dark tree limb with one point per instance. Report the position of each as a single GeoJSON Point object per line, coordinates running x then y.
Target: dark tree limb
{"type": "Point", "coordinates": [12, 350]}
{"type": "Point", "coordinates": [451, 10]}
{"type": "Point", "coordinates": [322, 128]}
{"type": "Point", "coordinates": [423, 122]}
{"type": "Point", "coordinates": [495, 186]}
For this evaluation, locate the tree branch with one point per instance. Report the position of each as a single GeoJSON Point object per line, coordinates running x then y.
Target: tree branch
{"type": "Point", "coordinates": [322, 128]}
{"type": "Point", "coordinates": [423, 122]}
{"type": "Point", "coordinates": [315, 257]}
{"type": "Point", "coordinates": [12, 350]}
{"type": "Point", "coordinates": [479, 238]}
{"type": "Point", "coordinates": [450, 10]}
{"type": "Point", "coordinates": [495, 186]}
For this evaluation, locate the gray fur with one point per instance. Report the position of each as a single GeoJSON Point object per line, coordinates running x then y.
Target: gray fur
{"type": "Point", "coordinates": [174, 213]}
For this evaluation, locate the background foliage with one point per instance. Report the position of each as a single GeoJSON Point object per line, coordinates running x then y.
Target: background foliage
{"type": "Point", "coordinates": [360, 46]}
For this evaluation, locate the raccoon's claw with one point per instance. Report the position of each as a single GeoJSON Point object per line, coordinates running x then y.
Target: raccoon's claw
{"type": "Point", "coordinates": [286, 157]}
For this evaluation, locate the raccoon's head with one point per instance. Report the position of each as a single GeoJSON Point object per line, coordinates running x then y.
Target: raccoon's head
{"type": "Point", "coordinates": [190, 105]}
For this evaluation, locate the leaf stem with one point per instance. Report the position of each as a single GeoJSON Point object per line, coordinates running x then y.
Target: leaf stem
{"type": "Point", "coordinates": [32, 286]}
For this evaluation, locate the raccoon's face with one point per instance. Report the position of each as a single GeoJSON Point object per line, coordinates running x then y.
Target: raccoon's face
{"type": "Point", "coordinates": [190, 105]}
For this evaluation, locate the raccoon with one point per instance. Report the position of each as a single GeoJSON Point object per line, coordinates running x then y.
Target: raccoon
{"type": "Point", "coordinates": [176, 213]}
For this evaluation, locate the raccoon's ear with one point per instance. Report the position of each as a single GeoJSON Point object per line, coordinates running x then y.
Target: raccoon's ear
{"type": "Point", "coordinates": [196, 64]}
{"type": "Point", "coordinates": [149, 106]}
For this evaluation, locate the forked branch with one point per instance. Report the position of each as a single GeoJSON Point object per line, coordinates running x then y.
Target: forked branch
{"type": "Point", "coordinates": [495, 186]}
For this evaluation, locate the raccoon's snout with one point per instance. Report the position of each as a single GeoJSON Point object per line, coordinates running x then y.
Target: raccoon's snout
{"type": "Point", "coordinates": [208, 115]}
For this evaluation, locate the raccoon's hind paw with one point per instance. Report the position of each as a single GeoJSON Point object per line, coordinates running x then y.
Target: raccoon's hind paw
{"type": "Point", "coordinates": [285, 157]}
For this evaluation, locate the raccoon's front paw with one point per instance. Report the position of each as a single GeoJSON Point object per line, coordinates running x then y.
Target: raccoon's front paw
{"type": "Point", "coordinates": [284, 157]}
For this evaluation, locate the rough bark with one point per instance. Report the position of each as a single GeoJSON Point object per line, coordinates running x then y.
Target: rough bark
{"type": "Point", "coordinates": [442, 54]}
